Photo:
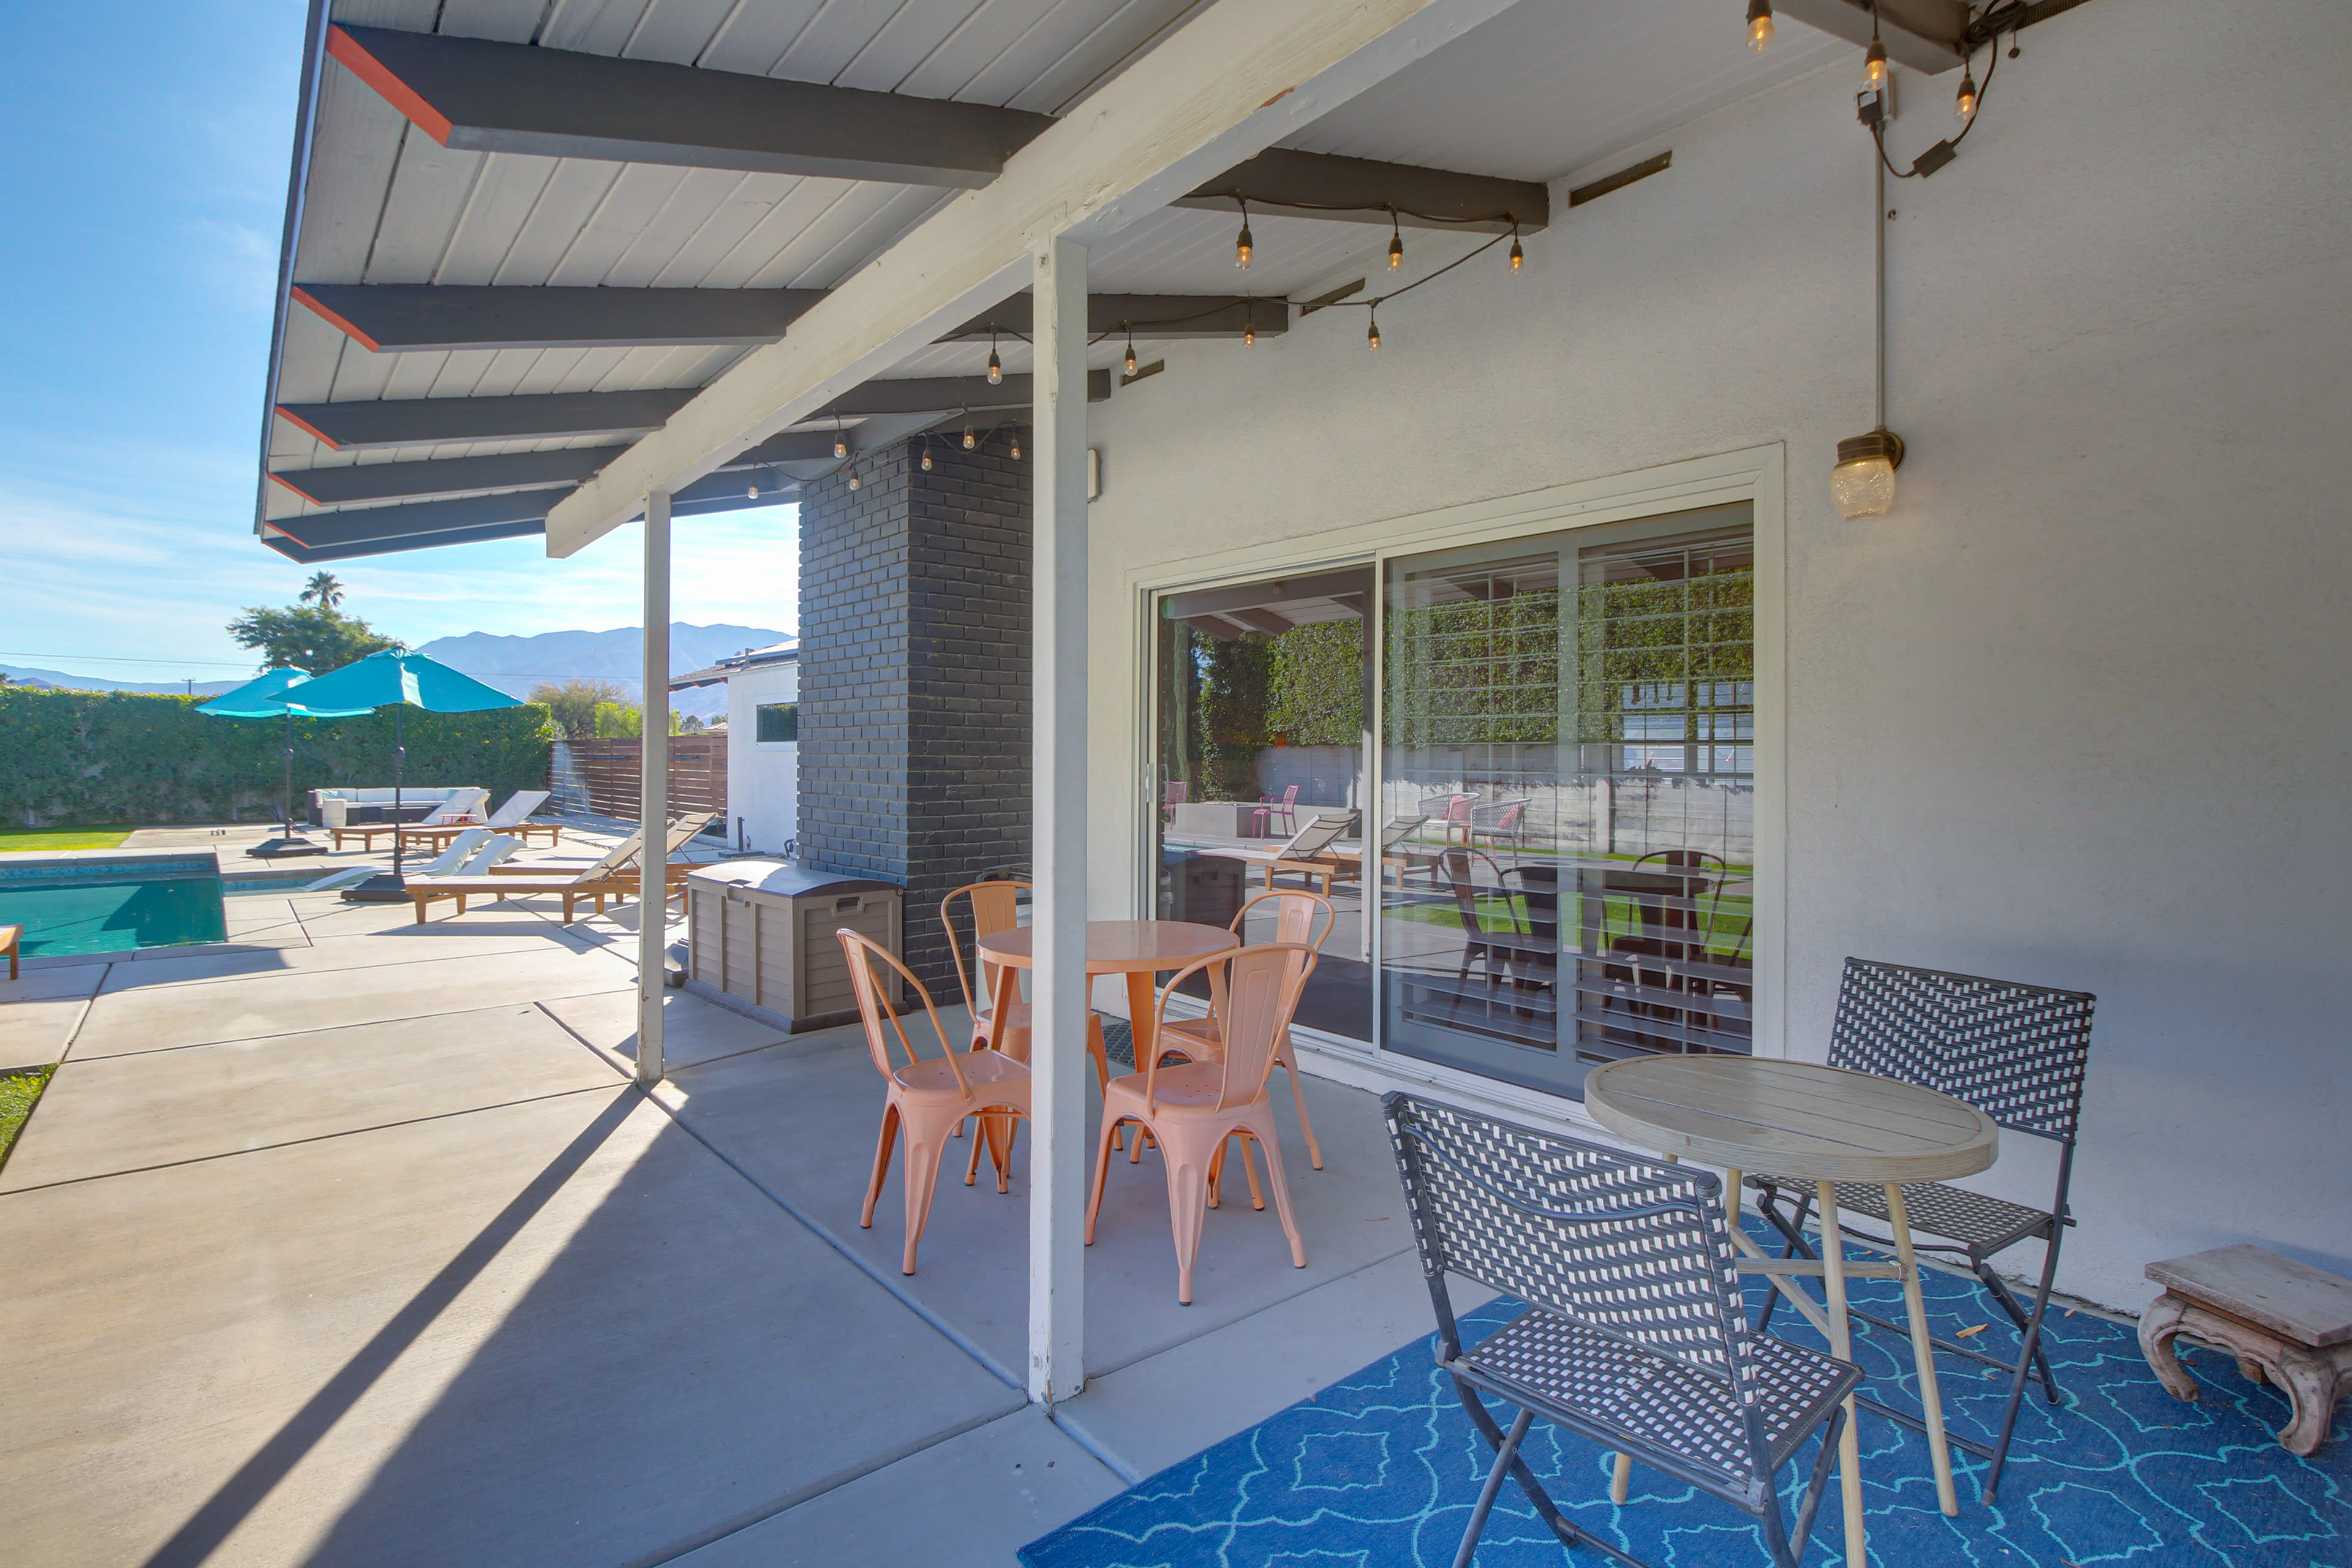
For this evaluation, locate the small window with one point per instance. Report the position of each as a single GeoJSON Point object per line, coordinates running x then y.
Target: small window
{"type": "Point", "coordinates": [780, 721]}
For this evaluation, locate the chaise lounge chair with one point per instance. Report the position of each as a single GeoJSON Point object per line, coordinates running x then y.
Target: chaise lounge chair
{"type": "Point", "coordinates": [461, 810]}
{"type": "Point", "coordinates": [452, 859]}
{"type": "Point", "coordinates": [604, 878]}
{"type": "Point", "coordinates": [508, 819]}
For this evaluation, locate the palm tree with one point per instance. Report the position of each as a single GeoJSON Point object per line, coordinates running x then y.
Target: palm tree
{"type": "Point", "coordinates": [325, 590]}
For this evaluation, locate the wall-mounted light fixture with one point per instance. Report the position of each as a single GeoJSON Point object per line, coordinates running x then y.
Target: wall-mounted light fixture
{"type": "Point", "coordinates": [1862, 483]}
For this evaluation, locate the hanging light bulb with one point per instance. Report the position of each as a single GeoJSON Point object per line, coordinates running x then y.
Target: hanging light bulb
{"type": "Point", "coordinates": [1130, 351]}
{"type": "Point", "coordinates": [927, 454]}
{"type": "Point", "coordinates": [1249, 331]}
{"type": "Point", "coordinates": [1374, 335]}
{"type": "Point", "coordinates": [853, 480]}
{"type": "Point", "coordinates": [1519, 257]}
{"type": "Point", "coordinates": [1964, 107]}
{"type": "Point", "coordinates": [995, 367]}
{"type": "Point", "coordinates": [1396, 242]}
{"type": "Point", "coordinates": [1016, 446]}
{"type": "Point", "coordinates": [970, 441]}
{"type": "Point", "coordinates": [1760, 25]}
{"type": "Point", "coordinates": [752, 492]}
{"type": "Point", "coordinates": [1874, 68]}
{"type": "Point", "coordinates": [1242, 245]}
{"type": "Point", "coordinates": [840, 441]}
{"type": "Point", "coordinates": [1862, 483]}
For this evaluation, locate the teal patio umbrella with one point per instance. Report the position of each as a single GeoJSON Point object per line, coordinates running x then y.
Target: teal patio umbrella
{"type": "Point", "coordinates": [404, 680]}
{"type": "Point", "coordinates": [263, 698]}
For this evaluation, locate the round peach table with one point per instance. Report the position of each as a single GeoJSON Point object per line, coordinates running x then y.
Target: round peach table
{"type": "Point", "coordinates": [1137, 948]}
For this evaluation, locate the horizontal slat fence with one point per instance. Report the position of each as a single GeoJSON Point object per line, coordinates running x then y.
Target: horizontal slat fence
{"type": "Point", "coordinates": [608, 769]}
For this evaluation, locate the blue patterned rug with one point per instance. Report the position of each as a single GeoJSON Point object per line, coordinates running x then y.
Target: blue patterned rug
{"type": "Point", "coordinates": [1382, 1469]}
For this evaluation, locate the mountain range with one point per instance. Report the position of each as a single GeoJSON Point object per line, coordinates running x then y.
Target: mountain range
{"type": "Point", "coordinates": [516, 664]}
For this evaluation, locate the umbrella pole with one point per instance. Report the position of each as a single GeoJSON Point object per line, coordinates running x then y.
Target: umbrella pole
{"type": "Point", "coordinates": [289, 773]}
{"type": "Point", "coordinates": [399, 759]}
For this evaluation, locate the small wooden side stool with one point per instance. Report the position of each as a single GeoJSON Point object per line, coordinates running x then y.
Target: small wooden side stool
{"type": "Point", "coordinates": [9, 937]}
{"type": "Point", "coordinates": [2289, 1324]}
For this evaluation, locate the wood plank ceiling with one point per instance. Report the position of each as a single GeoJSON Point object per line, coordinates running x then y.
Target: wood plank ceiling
{"type": "Point", "coordinates": [1545, 89]}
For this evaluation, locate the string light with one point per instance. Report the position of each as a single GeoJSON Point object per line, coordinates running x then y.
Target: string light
{"type": "Point", "coordinates": [1242, 245]}
{"type": "Point", "coordinates": [1874, 63]}
{"type": "Point", "coordinates": [1519, 257]}
{"type": "Point", "coordinates": [1760, 25]}
{"type": "Point", "coordinates": [751, 493]}
{"type": "Point", "coordinates": [840, 441]}
{"type": "Point", "coordinates": [995, 367]}
{"type": "Point", "coordinates": [1130, 340]}
{"type": "Point", "coordinates": [970, 441]}
{"type": "Point", "coordinates": [1396, 242]}
{"type": "Point", "coordinates": [1373, 336]}
{"type": "Point", "coordinates": [1016, 446]}
{"type": "Point", "coordinates": [1965, 106]}
{"type": "Point", "coordinates": [1249, 326]}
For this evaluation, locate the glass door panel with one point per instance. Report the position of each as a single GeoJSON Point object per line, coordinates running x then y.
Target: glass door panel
{"type": "Point", "coordinates": [1260, 699]}
{"type": "Point", "coordinates": [1568, 766]}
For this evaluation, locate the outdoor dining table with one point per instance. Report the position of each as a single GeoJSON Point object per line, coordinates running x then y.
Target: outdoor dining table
{"type": "Point", "coordinates": [1140, 950]}
{"type": "Point", "coordinates": [1801, 1119]}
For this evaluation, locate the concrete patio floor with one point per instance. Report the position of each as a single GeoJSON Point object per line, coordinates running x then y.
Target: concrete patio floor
{"type": "Point", "coordinates": [350, 1242]}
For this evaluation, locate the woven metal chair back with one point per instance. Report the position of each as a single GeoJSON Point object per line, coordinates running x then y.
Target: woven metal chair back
{"type": "Point", "coordinates": [1632, 1247]}
{"type": "Point", "coordinates": [2018, 1052]}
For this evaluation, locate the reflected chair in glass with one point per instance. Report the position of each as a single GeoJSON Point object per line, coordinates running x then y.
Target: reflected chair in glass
{"type": "Point", "coordinates": [2018, 1052]}
{"type": "Point", "coordinates": [1511, 951]}
{"type": "Point", "coordinates": [1190, 1109]}
{"type": "Point", "coordinates": [1674, 939]}
{"type": "Point", "coordinates": [991, 907]}
{"type": "Point", "coordinates": [927, 1099]}
{"type": "Point", "coordinates": [1633, 1336]}
{"type": "Point", "coordinates": [1283, 808]}
{"type": "Point", "coordinates": [1302, 918]}
{"type": "Point", "coordinates": [1496, 821]}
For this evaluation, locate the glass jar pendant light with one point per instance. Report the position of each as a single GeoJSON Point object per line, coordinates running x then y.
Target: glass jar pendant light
{"type": "Point", "coordinates": [1862, 483]}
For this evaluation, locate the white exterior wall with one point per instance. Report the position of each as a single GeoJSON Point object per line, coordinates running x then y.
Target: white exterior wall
{"type": "Point", "coordinates": [2075, 714]}
{"type": "Point", "coordinates": [762, 779]}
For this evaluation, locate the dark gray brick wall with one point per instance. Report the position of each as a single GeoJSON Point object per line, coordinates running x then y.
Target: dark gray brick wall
{"type": "Point", "coordinates": [913, 738]}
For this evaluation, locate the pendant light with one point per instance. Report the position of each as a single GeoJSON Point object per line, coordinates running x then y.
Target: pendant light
{"type": "Point", "coordinates": [1242, 245]}
{"type": "Point", "coordinates": [995, 365]}
{"type": "Point", "coordinates": [1519, 257]}
{"type": "Point", "coordinates": [1874, 62]}
{"type": "Point", "coordinates": [1396, 242]}
{"type": "Point", "coordinates": [1130, 344]}
{"type": "Point", "coordinates": [1373, 334]}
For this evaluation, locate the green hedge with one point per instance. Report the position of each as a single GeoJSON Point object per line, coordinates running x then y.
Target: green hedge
{"type": "Point", "coordinates": [73, 757]}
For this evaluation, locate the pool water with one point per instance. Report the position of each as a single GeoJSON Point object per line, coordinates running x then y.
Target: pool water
{"type": "Point", "coordinates": [107, 908]}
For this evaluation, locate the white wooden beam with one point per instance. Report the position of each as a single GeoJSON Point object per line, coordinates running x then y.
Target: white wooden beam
{"type": "Point", "coordinates": [653, 808]}
{"type": "Point", "coordinates": [1221, 88]}
{"type": "Point", "coordinates": [1057, 1106]}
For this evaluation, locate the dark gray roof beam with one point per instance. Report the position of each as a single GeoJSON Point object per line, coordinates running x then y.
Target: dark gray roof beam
{"type": "Point", "coordinates": [396, 317]}
{"type": "Point", "coordinates": [470, 93]}
{"type": "Point", "coordinates": [1926, 35]}
{"type": "Point", "coordinates": [489, 97]}
{"type": "Point", "coordinates": [1158, 317]}
{"type": "Point", "coordinates": [448, 477]}
{"type": "Point", "coordinates": [294, 550]}
{"type": "Point", "coordinates": [940, 393]}
{"type": "Point", "coordinates": [451, 421]}
{"type": "Point", "coordinates": [715, 492]}
{"type": "Point", "coordinates": [1290, 184]}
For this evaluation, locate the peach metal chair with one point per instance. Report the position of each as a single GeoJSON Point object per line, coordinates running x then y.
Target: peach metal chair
{"type": "Point", "coordinates": [929, 1098]}
{"type": "Point", "coordinates": [1193, 1106]}
{"type": "Point", "coordinates": [1302, 918]}
{"type": "Point", "coordinates": [990, 907]}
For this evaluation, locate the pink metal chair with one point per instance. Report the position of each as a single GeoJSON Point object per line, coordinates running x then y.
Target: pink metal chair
{"type": "Point", "coordinates": [1270, 808]}
{"type": "Point", "coordinates": [1300, 918]}
{"type": "Point", "coordinates": [1193, 1106]}
{"type": "Point", "coordinates": [929, 1098]}
{"type": "Point", "coordinates": [1173, 793]}
{"type": "Point", "coordinates": [990, 907]}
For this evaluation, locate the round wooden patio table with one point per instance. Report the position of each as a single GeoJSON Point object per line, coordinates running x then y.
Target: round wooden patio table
{"type": "Point", "coordinates": [1140, 950]}
{"type": "Point", "coordinates": [1800, 1119]}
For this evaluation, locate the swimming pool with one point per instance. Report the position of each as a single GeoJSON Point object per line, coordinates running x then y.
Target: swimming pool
{"type": "Point", "coordinates": [108, 901]}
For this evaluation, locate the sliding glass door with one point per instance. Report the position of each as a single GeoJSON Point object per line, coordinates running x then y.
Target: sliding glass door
{"type": "Point", "coordinates": [1567, 768]}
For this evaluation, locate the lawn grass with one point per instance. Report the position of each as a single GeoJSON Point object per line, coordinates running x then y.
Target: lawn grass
{"type": "Point", "coordinates": [18, 1089]}
{"type": "Point", "coordinates": [17, 840]}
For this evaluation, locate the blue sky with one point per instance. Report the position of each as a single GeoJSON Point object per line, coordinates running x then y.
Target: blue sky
{"type": "Point", "coordinates": [146, 164]}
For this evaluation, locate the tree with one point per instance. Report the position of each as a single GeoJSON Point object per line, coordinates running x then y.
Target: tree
{"type": "Point", "coordinates": [325, 590]}
{"type": "Point", "coordinates": [307, 638]}
{"type": "Point", "coordinates": [574, 703]}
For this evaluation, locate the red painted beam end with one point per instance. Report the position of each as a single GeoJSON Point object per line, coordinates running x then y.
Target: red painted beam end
{"type": "Point", "coordinates": [395, 91]}
{"type": "Point", "coordinates": [303, 297]}
{"type": "Point", "coordinates": [304, 425]}
{"type": "Point", "coordinates": [288, 481]}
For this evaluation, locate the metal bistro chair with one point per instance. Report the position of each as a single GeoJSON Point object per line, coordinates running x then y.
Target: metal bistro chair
{"type": "Point", "coordinates": [1306, 921]}
{"type": "Point", "coordinates": [1633, 1335]}
{"type": "Point", "coordinates": [2018, 1052]}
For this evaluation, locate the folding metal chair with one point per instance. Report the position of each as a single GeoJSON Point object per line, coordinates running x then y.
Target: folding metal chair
{"type": "Point", "coordinates": [2018, 1052]}
{"type": "Point", "coordinates": [1633, 1336]}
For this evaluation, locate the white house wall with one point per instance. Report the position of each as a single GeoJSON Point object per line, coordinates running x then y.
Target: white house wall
{"type": "Point", "coordinates": [762, 778]}
{"type": "Point", "coordinates": [2074, 713]}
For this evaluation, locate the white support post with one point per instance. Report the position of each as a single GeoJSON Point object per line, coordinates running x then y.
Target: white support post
{"type": "Point", "coordinates": [652, 811]}
{"type": "Point", "coordinates": [1057, 1146]}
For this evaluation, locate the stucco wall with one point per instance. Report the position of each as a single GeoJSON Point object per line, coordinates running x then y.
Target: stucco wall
{"type": "Point", "coordinates": [2027, 711]}
{"type": "Point", "coordinates": [762, 778]}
